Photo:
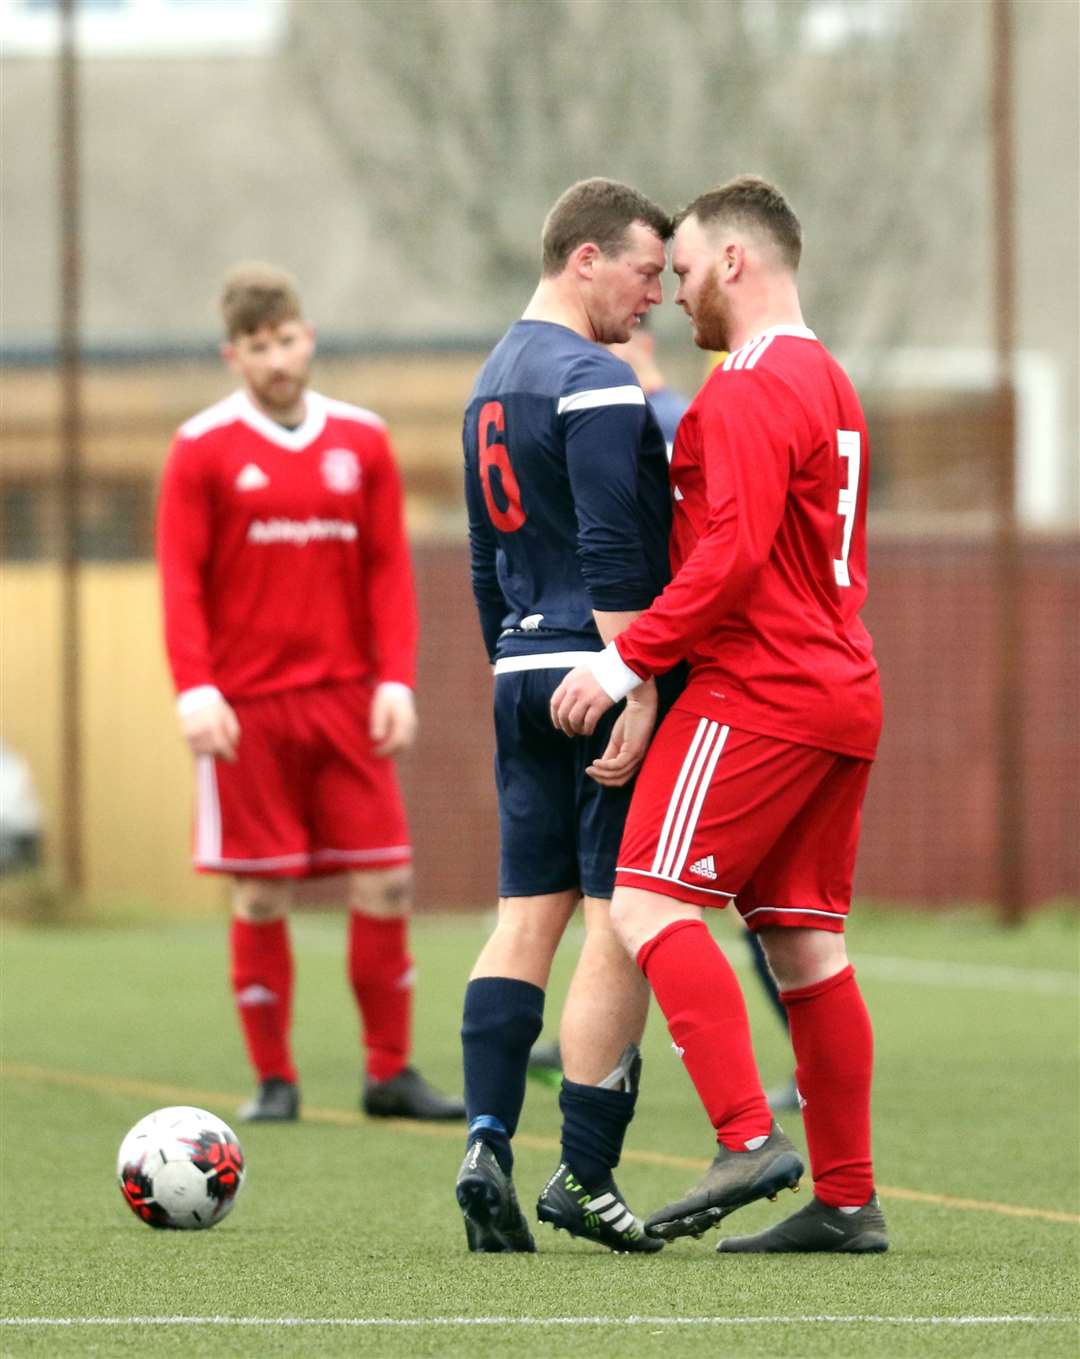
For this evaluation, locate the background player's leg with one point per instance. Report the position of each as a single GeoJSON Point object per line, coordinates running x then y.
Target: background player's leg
{"type": "Point", "coordinates": [765, 976]}
{"type": "Point", "coordinates": [262, 981]}
{"type": "Point", "coordinates": [784, 1096]}
{"type": "Point", "coordinates": [380, 967]}
{"type": "Point", "coordinates": [834, 1053]}
{"type": "Point", "coordinates": [382, 977]}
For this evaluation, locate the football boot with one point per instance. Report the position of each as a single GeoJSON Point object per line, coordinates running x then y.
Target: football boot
{"type": "Point", "coordinates": [409, 1095]}
{"type": "Point", "coordinates": [818, 1227]}
{"type": "Point", "coordinates": [276, 1101]}
{"type": "Point", "coordinates": [734, 1179]}
{"type": "Point", "coordinates": [494, 1222]}
{"type": "Point", "coordinates": [599, 1215]}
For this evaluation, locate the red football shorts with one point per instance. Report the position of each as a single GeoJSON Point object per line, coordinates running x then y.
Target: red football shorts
{"type": "Point", "coordinates": [306, 794]}
{"type": "Point", "coordinates": [722, 815]}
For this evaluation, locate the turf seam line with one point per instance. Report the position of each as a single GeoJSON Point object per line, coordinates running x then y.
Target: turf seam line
{"type": "Point", "coordinates": [346, 1118]}
{"type": "Point", "coordinates": [978, 976]}
{"type": "Point", "coordinates": [413, 1322]}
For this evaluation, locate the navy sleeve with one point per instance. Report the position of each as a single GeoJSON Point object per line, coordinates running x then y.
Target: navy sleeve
{"type": "Point", "coordinates": [490, 601]}
{"type": "Point", "coordinates": [602, 432]}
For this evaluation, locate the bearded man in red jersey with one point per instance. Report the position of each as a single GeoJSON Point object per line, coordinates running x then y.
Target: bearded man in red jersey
{"type": "Point", "coordinates": [752, 789]}
{"type": "Point", "coordinates": [290, 627]}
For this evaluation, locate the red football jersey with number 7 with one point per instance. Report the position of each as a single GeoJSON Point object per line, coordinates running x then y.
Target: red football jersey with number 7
{"type": "Point", "coordinates": [768, 552]}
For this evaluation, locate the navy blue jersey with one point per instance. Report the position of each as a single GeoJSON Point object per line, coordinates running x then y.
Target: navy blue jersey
{"type": "Point", "coordinates": [669, 408]}
{"type": "Point", "coordinates": [566, 483]}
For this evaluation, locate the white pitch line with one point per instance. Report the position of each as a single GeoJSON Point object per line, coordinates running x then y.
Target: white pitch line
{"type": "Point", "coordinates": [881, 966]}
{"type": "Point", "coordinates": [953, 975]}
{"type": "Point", "coordinates": [976, 976]}
{"type": "Point", "coordinates": [858, 1320]}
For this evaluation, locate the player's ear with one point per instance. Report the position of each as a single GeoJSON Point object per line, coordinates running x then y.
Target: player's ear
{"type": "Point", "coordinates": [733, 259]}
{"type": "Point", "coordinates": [582, 261]}
{"type": "Point", "coordinates": [228, 354]}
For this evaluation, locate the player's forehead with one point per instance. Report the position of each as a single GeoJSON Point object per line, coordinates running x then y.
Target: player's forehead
{"type": "Point", "coordinates": [689, 244]}
{"type": "Point", "coordinates": [288, 329]}
{"type": "Point", "coordinates": [642, 246]}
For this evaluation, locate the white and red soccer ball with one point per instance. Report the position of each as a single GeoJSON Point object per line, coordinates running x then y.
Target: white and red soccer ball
{"type": "Point", "coordinates": [180, 1168]}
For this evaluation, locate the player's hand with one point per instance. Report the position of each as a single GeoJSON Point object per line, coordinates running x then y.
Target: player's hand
{"type": "Point", "coordinates": [212, 729]}
{"type": "Point", "coordinates": [629, 739]}
{"type": "Point", "coordinates": [579, 703]}
{"type": "Point", "coordinates": [393, 722]}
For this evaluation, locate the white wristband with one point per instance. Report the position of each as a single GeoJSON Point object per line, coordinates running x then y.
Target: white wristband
{"type": "Point", "coordinates": [191, 700]}
{"type": "Point", "coordinates": [395, 686]}
{"type": "Point", "coordinates": [612, 673]}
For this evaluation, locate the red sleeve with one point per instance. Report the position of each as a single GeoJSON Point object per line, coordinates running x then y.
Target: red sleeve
{"type": "Point", "coordinates": [183, 550]}
{"type": "Point", "coordinates": [748, 422]}
{"type": "Point", "coordinates": [388, 577]}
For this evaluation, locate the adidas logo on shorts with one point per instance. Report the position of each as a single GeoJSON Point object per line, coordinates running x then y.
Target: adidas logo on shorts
{"type": "Point", "coordinates": [704, 868]}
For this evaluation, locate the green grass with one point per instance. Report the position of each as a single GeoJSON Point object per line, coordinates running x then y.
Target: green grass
{"type": "Point", "coordinates": [976, 1099]}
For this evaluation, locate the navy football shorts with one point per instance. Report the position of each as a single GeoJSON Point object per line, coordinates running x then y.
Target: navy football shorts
{"type": "Point", "coordinates": [558, 828]}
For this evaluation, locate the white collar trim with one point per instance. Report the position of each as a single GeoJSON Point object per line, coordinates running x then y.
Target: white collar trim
{"type": "Point", "coordinates": [796, 332]}
{"type": "Point", "coordinates": [294, 440]}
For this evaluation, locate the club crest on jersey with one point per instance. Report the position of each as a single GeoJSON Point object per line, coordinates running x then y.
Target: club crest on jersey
{"type": "Point", "coordinates": [341, 470]}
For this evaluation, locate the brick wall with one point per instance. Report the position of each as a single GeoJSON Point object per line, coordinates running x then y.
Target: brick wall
{"type": "Point", "coordinates": [929, 831]}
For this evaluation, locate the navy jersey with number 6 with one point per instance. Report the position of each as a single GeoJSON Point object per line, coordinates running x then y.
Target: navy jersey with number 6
{"type": "Point", "coordinates": [566, 482]}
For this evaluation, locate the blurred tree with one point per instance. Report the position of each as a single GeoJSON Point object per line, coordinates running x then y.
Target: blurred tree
{"type": "Point", "coordinates": [460, 121]}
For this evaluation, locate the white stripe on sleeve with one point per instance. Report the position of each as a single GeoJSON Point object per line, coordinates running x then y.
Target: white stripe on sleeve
{"type": "Point", "coordinates": [601, 396]}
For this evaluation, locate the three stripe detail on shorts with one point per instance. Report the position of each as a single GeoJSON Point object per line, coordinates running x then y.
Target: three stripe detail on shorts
{"type": "Point", "coordinates": [684, 809]}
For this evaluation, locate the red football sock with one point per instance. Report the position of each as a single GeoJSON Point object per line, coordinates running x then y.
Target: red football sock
{"type": "Point", "coordinates": [262, 982]}
{"type": "Point", "coordinates": [706, 1014]}
{"type": "Point", "coordinates": [381, 973]}
{"type": "Point", "coordinates": [834, 1059]}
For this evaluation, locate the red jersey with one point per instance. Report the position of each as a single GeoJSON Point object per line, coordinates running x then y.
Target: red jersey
{"type": "Point", "coordinates": [282, 551]}
{"type": "Point", "coordinates": [768, 552]}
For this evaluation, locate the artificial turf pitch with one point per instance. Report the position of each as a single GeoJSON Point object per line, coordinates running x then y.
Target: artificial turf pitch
{"type": "Point", "coordinates": [346, 1238]}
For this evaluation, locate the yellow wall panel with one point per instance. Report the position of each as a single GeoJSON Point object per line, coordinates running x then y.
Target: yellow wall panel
{"type": "Point", "coordinates": [137, 780]}
{"type": "Point", "coordinates": [30, 676]}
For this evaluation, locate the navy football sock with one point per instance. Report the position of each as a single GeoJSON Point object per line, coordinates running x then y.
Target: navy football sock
{"type": "Point", "coordinates": [502, 1020]}
{"type": "Point", "coordinates": [595, 1120]}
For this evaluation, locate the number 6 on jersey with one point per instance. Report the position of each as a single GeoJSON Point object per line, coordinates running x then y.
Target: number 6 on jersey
{"type": "Point", "coordinates": [496, 455]}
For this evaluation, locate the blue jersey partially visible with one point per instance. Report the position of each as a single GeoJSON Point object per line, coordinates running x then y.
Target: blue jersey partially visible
{"type": "Point", "coordinates": [669, 407]}
{"type": "Point", "coordinates": [566, 483]}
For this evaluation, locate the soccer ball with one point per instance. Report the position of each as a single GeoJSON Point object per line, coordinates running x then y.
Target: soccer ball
{"type": "Point", "coordinates": [181, 1168]}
